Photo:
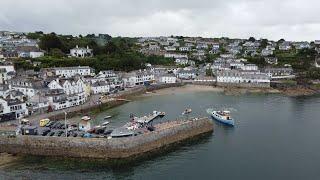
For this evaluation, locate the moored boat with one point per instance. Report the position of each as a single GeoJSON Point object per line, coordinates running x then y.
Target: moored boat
{"type": "Point", "coordinates": [105, 124]}
{"type": "Point", "coordinates": [187, 111]}
{"type": "Point", "coordinates": [107, 117]}
{"type": "Point", "coordinates": [162, 114]}
{"type": "Point", "coordinates": [223, 117]}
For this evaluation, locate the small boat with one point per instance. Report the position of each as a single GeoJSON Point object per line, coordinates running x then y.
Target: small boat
{"type": "Point", "coordinates": [86, 118]}
{"type": "Point", "coordinates": [105, 124]}
{"type": "Point", "coordinates": [223, 117]}
{"type": "Point", "coordinates": [187, 111]}
{"type": "Point", "coordinates": [162, 114]}
{"type": "Point", "coordinates": [107, 117]}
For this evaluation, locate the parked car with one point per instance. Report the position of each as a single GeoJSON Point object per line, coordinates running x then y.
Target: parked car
{"type": "Point", "coordinates": [51, 133]}
{"type": "Point", "coordinates": [55, 125]}
{"type": "Point", "coordinates": [45, 132]}
{"type": "Point", "coordinates": [50, 124]}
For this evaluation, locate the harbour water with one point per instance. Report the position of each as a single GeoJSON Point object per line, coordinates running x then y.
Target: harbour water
{"type": "Point", "coordinates": [275, 137]}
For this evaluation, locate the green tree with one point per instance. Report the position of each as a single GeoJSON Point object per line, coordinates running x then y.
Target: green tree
{"type": "Point", "coordinates": [57, 53]}
{"type": "Point", "coordinates": [252, 39]}
{"type": "Point", "coordinates": [264, 43]}
{"type": "Point", "coordinates": [50, 41]}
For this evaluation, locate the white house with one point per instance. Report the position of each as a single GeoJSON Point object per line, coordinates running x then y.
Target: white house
{"type": "Point", "coordinates": [168, 79]}
{"type": "Point", "coordinates": [266, 52]}
{"type": "Point", "coordinates": [185, 49]}
{"type": "Point", "coordinates": [69, 86]}
{"type": "Point", "coordinates": [175, 55]}
{"type": "Point", "coordinates": [36, 54]}
{"type": "Point", "coordinates": [11, 109]}
{"type": "Point", "coordinates": [138, 78]}
{"type": "Point", "coordinates": [170, 48]}
{"type": "Point", "coordinates": [187, 74]}
{"type": "Point", "coordinates": [250, 67]}
{"type": "Point", "coordinates": [271, 60]}
{"type": "Point", "coordinates": [238, 77]}
{"type": "Point", "coordinates": [285, 46]}
{"type": "Point", "coordinates": [280, 73]}
{"type": "Point", "coordinates": [81, 52]}
{"type": "Point", "coordinates": [100, 87]}
{"type": "Point", "coordinates": [9, 68]}
{"type": "Point", "coordinates": [181, 61]}
{"type": "Point", "coordinates": [28, 87]}
{"type": "Point", "coordinates": [72, 71]}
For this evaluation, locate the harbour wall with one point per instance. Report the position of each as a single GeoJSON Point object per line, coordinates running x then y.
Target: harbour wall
{"type": "Point", "coordinates": [163, 86]}
{"type": "Point", "coordinates": [166, 134]}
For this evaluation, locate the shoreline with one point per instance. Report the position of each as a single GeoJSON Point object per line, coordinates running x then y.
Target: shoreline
{"type": "Point", "coordinates": [191, 88]}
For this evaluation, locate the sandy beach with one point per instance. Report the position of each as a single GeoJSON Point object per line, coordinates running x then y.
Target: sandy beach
{"type": "Point", "coordinates": [200, 88]}
{"type": "Point", "coordinates": [187, 89]}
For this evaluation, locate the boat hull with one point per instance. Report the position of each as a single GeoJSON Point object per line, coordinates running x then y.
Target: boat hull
{"type": "Point", "coordinates": [221, 120]}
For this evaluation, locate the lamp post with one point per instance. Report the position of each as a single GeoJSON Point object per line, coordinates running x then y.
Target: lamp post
{"type": "Point", "coordinates": [65, 123]}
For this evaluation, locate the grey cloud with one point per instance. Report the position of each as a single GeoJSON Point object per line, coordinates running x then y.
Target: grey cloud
{"type": "Point", "coordinates": [274, 19]}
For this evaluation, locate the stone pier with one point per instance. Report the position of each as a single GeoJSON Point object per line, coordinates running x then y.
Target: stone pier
{"type": "Point", "coordinates": [166, 134]}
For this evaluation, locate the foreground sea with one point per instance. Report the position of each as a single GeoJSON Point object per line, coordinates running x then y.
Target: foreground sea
{"type": "Point", "coordinates": [275, 137]}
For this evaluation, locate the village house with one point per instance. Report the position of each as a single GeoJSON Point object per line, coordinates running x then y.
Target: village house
{"type": "Point", "coordinates": [215, 46]}
{"type": "Point", "coordinates": [190, 45]}
{"type": "Point", "coordinates": [175, 55]}
{"type": "Point", "coordinates": [69, 86]}
{"type": "Point", "coordinates": [279, 73]}
{"type": "Point", "coordinates": [38, 103]}
{"type": "Point", "coordinates": [100, 87]}
{"type": "Point", "coordinates": [271, 60]}
{"type": "Point", "coordinates": [187, 74]}
{"type": "Point", "coordinates": [181, 61]}
{"type": "Point", "coordinates": [176, 44]}
{"type": "Point", "coordinates": [138, 78]}
{"type": "Point", "coordinates": [81, 52]}
{"type": "Point", "coordinates": [3, 76]}
{"type": "Point", "coordinates": [170, 48]}
{"type": "Point", "coordinates": [317, 42]}
{"type": "Point", "coordinates": [60, 100]}
{"type": "Point", "coordinates": [28, 86]}
{"type": "Point", "coordinates": [202, 46]}
{"type": "Point", "coordinates": [71, 71]}
{"type": "Point", "coordinates": [285, 46]}
{"type": "Point", "coordinates": [185, 49]}
{"type": "Point", "coordinates": [242, 77]}
{"type": "Point", "coordinates": [11, 109]}
{"type": "Point", "coordinates": [266, 52]}
{"type": "Point", "coordinates": [168, 79]}
{"type": "Point", "coordinates": [199, 53]}
{"type": "Point", "coordinates": [4, 89]}
{"type": "Point", "coordinates": [301, 45]}
{"type": "Point", "coordinates": [172, 40]}
{"type": "Point", "coordinates": [9, 68]}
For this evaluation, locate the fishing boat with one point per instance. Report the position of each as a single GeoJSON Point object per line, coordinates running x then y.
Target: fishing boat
{"type": "Point", "coordinates": [223, 117]}
{"type": "Point", "coordinates": [187, 111]}
{"type": "Point", "coordinates": [107, 117]}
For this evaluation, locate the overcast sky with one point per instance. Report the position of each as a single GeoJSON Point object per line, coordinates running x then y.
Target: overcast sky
{"type": "Point", "coordinates": [273, 19]}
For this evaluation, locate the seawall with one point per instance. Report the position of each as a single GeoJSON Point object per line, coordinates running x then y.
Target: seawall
{"type": "Point", "coordinates": [165, 135]}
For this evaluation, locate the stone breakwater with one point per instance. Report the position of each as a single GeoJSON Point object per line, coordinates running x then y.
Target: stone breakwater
{"type": "Point", "coordinates": [166, 134]}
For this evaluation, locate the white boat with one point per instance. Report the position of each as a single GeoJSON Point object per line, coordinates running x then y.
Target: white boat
{"type": "Point", "coordinates": [223, 117]}
{"type": "Point", "coordinates": [105, 124]}
{"type": "Point", "coordinates": [107, 117]}
{"type": "Point", "coordinates": [187, 111]}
